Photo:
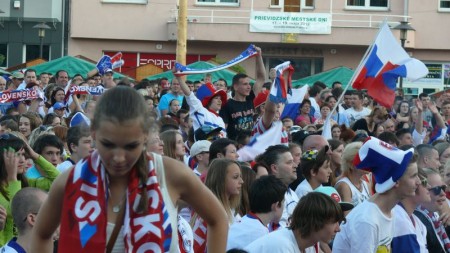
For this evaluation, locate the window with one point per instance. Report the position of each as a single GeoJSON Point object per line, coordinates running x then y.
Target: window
{"type": "Point", "coordinates": [125, 1]}
{"type": "Point", "coordinates": [368, 4]}
{"type": "Point", "coordinates": [444, 5]}
{"type": "Point", "coordinates": [3, 55]}
{"type": "Point", "coordinates": [32, 52]}
{"type": "Point", "coordinates": [303, 66]}
{"type": "Point", "coordinates": [293, 5]}
{"type": "Point", "coordinates": [218, 2]}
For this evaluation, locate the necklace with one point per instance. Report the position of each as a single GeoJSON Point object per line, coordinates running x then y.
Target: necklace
{"type": "Point", "coordinates": [115, 208]}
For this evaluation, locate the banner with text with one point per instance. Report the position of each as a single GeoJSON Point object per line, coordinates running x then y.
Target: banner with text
{"type": "Point", "coordinates": [290, 22]}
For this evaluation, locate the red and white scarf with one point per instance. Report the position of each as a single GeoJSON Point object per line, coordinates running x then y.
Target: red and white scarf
{"type": "Point", "coordinates": [438, 227]}
{"type": "Point", "coordinates": [84, 217]}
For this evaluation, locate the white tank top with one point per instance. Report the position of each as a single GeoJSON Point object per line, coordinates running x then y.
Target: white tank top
{"type": "Point", "coordinates": [119, 246]}
{"type": "Point", "coordinates": [357, 196]}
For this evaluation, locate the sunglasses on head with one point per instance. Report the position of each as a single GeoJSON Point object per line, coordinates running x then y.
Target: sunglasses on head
{"type": "Point", "coordinates": [437, 189]}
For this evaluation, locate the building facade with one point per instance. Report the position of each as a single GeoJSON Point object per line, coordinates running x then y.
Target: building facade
{"type": "Point", "coordinates": [319, 35]}
{"type": "Point", "coordinates": [19, 38]}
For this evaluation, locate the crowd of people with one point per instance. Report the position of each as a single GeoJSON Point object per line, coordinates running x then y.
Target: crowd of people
{"type": "Point", "coordinates": [156, 166]}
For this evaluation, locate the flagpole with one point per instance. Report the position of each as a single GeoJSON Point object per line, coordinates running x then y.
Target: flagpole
{"type": "Point", "coordinates": [361, 63]}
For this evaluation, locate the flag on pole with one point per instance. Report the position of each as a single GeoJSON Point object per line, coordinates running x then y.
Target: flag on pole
{"type": "Point", "coordinates": [385, 62]}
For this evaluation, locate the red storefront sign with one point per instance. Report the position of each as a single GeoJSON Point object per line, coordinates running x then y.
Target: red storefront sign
{"type": "Point", "coordinates": [164, 61]}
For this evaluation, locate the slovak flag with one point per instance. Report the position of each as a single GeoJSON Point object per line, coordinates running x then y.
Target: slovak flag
{"type": "Point", "coordinates": [385, 62]}
{"type": "Point", "coordinates": [293, 102]}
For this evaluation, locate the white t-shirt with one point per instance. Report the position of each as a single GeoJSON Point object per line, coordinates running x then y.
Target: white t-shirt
{"type": "Point", "coordinates": [356, 115]}
{"type": "Point", "coordinates": [366, 230]}
{"type": "Point", "coordinates": [303, 188]}
{"type": "Point", "coordinates": [408, 237]}
{"type": "Point", "coordinates": [201, 116]}
{"type": "Point", "coordinates": [290, 202]}
{"type": "Point", "coordinates": [280, 241]}
{"type": "Point", "coordinates": [245, 232]}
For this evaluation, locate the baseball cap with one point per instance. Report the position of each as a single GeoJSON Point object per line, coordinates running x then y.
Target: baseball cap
{"type": "Point", "coordinates": [330, 191]}
{"type": "Point", "coordinates": [58, 106]}
{"type": "Point", "coordinates": [205, 131]}
{"type": "Point", "coordinates": [199, 147]}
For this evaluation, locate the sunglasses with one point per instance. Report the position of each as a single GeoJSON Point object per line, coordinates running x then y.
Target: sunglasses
{"type": "Point", "coordinates": [437, 189]}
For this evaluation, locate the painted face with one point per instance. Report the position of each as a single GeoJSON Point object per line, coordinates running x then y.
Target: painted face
{"type": "Point", "coordinates": [119, 145]}
{"type": "Point", "coordinates": [233, 181]}
{"type": "Point", "coordinates": [52, 155]}
{"type": "Point", "coordinates": [408, 183]}
{"type": "Point", "coordinates": [25, 126]}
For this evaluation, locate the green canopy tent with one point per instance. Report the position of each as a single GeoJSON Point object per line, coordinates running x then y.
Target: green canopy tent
{"type": "Point", "coordinates": [4, 72]}
{"type": "Point", "coordinates": [72, 65]}
{"type": "Point", "coordinates": [341, 74]}
{"type": "Point", "coordinates": [224, 73]}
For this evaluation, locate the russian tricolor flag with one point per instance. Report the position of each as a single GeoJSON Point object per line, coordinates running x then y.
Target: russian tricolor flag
{"type": "Point", "coordinates": [385, 62]}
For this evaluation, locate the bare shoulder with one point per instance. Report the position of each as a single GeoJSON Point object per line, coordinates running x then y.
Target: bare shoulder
{"type": "Point", "coordinates": [179, 178]}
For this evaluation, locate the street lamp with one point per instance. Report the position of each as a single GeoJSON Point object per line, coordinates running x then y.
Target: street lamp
{"type": "Point", "coordinates": [41, 33]}
{"type": "Point", "coordinates": [404, 27]}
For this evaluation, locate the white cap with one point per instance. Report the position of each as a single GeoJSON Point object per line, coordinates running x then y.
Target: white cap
{"type": "Point", "coordinates": [200, 146]}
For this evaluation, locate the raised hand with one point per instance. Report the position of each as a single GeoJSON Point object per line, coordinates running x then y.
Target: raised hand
{"type": "Point", "coordinates": [11, 163]}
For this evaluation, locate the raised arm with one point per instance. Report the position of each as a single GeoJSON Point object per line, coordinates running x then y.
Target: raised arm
{"type": "Point", "coordinates": [183, 85]}
{"type": "Point", "coordinates": [439, 120]}
{"type": "Point", "coordinates": [270, 108]}
{"type": "Point", "coordinates": [260, 72]}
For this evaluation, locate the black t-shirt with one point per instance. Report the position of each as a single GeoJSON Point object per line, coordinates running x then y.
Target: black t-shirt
{"type": "Point", "coordinates": [238, 115]}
